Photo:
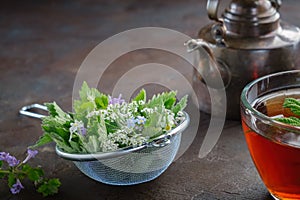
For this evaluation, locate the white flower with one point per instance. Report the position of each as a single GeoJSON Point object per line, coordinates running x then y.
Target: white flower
{"type": "Point", "coordinates": [93, 113]}
{"type": "Point", "coordinates": [77, 125]}
{"type": "Point", "coordinates": [121, 137]}
{"type": "Point", "coordinates": [141, 102]}
{"type": "Point", "coordinates": [140, 120]}
{"type": "Point", "coordinates": [148, 111]}
{"type": "Point", "coordinates": [137, 140]}
{"type": "Point", "coordinates": [170, 119]}
{"type": "Point", "coordinates": [109, 145]}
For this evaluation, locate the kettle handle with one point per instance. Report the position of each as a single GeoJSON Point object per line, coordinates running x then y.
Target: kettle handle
{"type": "Point", "coordinates": [212, 9]}
{"type": "Point", "coordinates": [218, 66]}
{"type": "Point", "coordinates": [276, 4]}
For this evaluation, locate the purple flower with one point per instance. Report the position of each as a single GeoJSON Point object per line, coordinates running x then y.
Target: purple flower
{"type": "Point", "coordinates": [82, 131]}
{"type": "Point", "coordinates": [118, 100]}
{"type": "Point", "coordinates": [30, 154]}
{"type": "Point", "coordinates": [3, 156]}
{"type": "Point", "coordinates": [12, 161]}
{"type": "Point", "coordinates": [16, 188]}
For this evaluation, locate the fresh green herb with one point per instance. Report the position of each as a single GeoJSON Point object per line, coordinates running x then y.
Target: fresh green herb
{"type": "Point", "coordinates": [294, 105]}
{"type": "Point", "coordinates": [101, 123]}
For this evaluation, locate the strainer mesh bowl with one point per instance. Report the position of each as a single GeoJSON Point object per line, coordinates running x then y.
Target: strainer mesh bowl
{"type": "Point", "coordinates": [133, 168]}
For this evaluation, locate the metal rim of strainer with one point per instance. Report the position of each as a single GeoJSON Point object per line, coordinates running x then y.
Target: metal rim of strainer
{"type": "Point", "coordinates": [160, 141]}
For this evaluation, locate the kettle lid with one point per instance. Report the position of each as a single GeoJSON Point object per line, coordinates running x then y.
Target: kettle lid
{"type": "Point", "coordinates": [251, 18]}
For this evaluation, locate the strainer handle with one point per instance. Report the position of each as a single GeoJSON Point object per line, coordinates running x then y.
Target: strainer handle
{"type": "Point", "coordinates": [25, 110]}
{"type": "Point", "coordinates": [161, 142]}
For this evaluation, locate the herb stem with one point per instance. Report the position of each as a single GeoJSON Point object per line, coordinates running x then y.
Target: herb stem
{"type": "Point", "coordinates": [4, 171]}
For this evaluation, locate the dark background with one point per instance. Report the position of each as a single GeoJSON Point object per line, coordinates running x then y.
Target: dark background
{"type": "Point", "coordinates": [42, 44]}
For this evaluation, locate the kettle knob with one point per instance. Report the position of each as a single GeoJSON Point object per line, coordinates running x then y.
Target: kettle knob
{"type": "Point", "coordinates": [246, 18]}
{"type": "Point", "coordinates": [213, 5]}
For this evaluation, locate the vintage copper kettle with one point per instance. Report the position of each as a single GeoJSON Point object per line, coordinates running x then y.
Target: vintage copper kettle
{"type": "Point", "coordinates": [248, 41]}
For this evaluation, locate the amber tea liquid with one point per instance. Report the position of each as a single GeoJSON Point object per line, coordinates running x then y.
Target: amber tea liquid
{"type": "Point", "coordinates": [277, 163]}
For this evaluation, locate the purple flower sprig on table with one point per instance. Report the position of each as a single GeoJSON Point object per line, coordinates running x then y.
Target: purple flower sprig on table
{"type": "Point", "coordinates": [14, 171]}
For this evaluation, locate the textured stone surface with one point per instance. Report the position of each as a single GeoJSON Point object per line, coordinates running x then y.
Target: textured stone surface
{"type": "Point", "coordinates": [42, 45]}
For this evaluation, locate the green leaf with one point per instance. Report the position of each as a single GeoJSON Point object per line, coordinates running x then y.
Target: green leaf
{"type": "Point", "coordinates": [97, 133]}
{"type": "Point", "coordinates": [49, 187]}
{"type": "Point", "coordinates": [111, 127]}
{"type": "Point", "coordinates": [11, 179]}
{"type": "Point", "coordinates": [84, 91]}
{"type": "Point", "coordinates": [26, 168]}
{"type": "Point", "coordinates": [293, 104]}
{"type": "Point", "coordinates": [169, 103]}
{"type": "Point", "coordinates": [101, 102]}
{"type": "Point", "coordinates": [86, 107]}
{"type": "Point", "coordinates": [51, 109]}
{"type": "Point", "coordinates": [75, 146]}
{"type": "Point", "coordinates": [56, 128]}
{"type": "Point", "coordinates": [90, 99]}
{"type": "Point", "coordinates": [82, 109]}
{"type": "Point", "coordinates": [60, 131]}
{"type": "Point", "coordinates": [54, 111]}
{"type": "Point", "coordinates": [97, 127]}
{"type": "Point", "coordinates": [33, 174]}
{"type": "Point", "coordinates": [1, 163]}
{"type": "Point", "coordinates": [180, 105]}
{"type": "Point", "coordinates": [88, 94]}
{"type": "Point", "coordinates": [44, 139]}
{"type": "Point", "coordinates": [153, 125]}
{"type": "Point", "coordinates": [61, 143]}
{"type": "Point", "coordinates": [141, 96]}
{"type": "Point", "coordinates": [294, 121]}
{"type": "Point", "coordinates": [92, 144]}
{"type": "Point", "coordinates": [152, 132]}
{"type": "Point", "coordinates": [163, 97]}
{"type": "Point", "coordinates": [58, 122]}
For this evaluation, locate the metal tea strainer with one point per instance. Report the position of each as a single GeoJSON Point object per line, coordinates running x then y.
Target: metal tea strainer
{"type": "Point", "coordinates": [127, 166]}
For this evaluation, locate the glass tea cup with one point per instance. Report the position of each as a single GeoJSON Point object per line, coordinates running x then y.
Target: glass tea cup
{"type": "Point", "coordinates": [273, 146]}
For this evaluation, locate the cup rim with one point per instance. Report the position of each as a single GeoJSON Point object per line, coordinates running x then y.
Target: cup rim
{"type": "Point", "coordinates": [254, 112]}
